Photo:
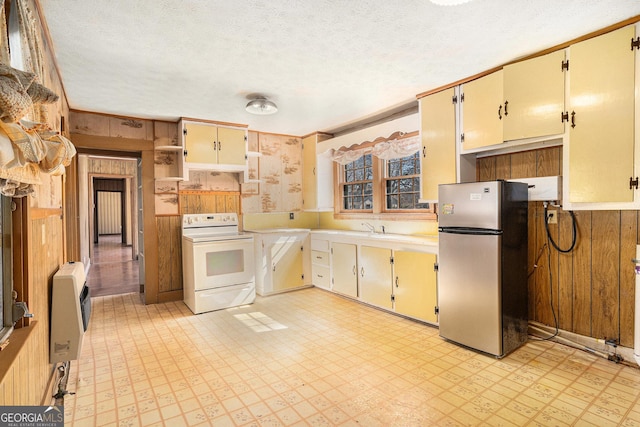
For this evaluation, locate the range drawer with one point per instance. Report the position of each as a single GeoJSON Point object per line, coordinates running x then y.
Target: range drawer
{"type": "Point", "coordinates": [321, 277]}
{"type": "Point", "coordinates": [321, 258]}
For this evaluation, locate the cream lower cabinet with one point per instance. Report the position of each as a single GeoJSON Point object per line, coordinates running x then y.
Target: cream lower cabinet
{"type": "Point", "coordinates": [280, 261]}
{"type": "Point", "coordinates": [344, 268]}
{"type": "Point", "coordinates": [414, 285]}
{"type": "Point", "coordinates": [393, 276]}
{"type": "Point", "coordinates": [286, 264]}
{"type": "Point", "coordinates": [375, 270]}
{"type": "Point", "coordinates": [599, 153]}
{"type": "Point", "coordinates": [438, 133]}
{"type": "Point", "coordinates": [320, 263]}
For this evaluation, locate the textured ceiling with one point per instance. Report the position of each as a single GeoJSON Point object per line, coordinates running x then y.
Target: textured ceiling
{"type": "Point", "coordinates": [325, 63]}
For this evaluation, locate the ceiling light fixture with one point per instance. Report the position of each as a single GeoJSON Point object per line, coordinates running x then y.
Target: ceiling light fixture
{"type": "Point", "coordinates": [449, 2]}
{"type": "Point", "coordinates": [261, 105]}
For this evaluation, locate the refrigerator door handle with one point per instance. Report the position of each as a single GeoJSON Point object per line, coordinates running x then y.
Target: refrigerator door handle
{"type": "Point", "coordinates": [470, 231]}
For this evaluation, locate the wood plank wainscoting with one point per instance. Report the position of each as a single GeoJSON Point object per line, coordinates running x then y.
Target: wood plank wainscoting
{"type": "Point", "coordinates": [24, 368]}
{"type": "Point", "coordinates": [170, 235]}
{"type": "Point", "coordinates": [592, 288]}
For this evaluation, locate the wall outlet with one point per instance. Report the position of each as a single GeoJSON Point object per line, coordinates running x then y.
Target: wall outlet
{"type": "Point", "coordinates": [552, 216]}
{"type": "Point", "coordinates": [290, 215]}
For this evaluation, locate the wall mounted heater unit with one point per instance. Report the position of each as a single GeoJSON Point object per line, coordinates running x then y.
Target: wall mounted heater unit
{"type": "Point", "coordinates": [70, 312]}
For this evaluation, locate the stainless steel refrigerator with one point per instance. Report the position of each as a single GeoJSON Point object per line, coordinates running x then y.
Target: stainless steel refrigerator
{"type": "Point", "coordinates": [482, 265]}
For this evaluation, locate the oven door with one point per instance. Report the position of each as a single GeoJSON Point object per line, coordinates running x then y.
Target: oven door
{"type": "Point", "coordinates": [222, 263]}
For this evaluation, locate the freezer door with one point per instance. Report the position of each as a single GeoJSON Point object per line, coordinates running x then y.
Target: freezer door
{"type": "Point", "coordinates": [469, 291]}
{"type": "Point", "coordinates": [472, 204]}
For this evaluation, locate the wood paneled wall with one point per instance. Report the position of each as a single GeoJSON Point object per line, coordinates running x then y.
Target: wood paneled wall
{"type": "Point", "coordinates": [24, 364]}
{"type": "Point", "coordinates": [591, 290]}
{"type": "Point", "coordinates": [24, 380]}
{"type": "Point", "coordinates": [170, 235]}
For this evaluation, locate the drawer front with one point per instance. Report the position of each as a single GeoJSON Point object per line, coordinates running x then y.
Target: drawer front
{"type": "Point", "coordinates": [319, 245]}
{"type": "Point", "coordinates": [321, 277]}
{"type": "Point", "coordinates": [321, 258]}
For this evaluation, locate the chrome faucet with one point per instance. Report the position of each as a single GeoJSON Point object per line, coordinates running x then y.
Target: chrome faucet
{"type": "Point", "coordinates": [369, 226]}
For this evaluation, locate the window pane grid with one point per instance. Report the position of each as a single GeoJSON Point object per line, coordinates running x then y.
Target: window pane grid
{"type": "Point", "coordinates": [402, 184]}
{"type": "Point", "coordinates": [398, 188]}
{"type": "Point", "coordinates": [357, 186]}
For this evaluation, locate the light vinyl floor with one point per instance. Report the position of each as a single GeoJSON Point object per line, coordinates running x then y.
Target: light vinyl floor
{"type": "Point", "coordinates": [311, 358]}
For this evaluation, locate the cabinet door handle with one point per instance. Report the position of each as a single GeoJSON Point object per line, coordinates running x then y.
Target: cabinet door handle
{"type": "Point", "coordinates": [314, 171]}
{"type": "Point", "coordinates": [424, 151]}
{"type": "Point", "coordinates": [320, 276]}
{"type": "Point", "coordinates": [500, 112]}
{"type": "Point", "coordinates": [354, 270]}
{"type": "Point", "coordinates": [362, 271]}
{"type": "Point", "coordinates": [396, 281]}
{"type": "Point", "coordinates": [573, 119]}
{"type": "Point", "coordinates": [214, 145]}
{"type": "Point", "coordinates": [219, 145]}
{"type": "Point", "coordinates": [274, 267]}
{"type": "Point", "coordinates": [505, 108]}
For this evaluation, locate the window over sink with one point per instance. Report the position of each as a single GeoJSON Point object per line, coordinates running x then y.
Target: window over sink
{"type": "Point", "coordinates": [368, 185]}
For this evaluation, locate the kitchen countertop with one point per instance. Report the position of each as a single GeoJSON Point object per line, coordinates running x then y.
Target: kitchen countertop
{"type": "Point", "coordinates": [396, 240]}
{"type": "Point", "coordinates": [279, 230]}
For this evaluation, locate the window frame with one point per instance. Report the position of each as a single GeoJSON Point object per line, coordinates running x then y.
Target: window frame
{"type": "Point", "coordinates": [386, 178]}
{"type": "Point", "coordinates": [6, 261]}
{"type": "Point", "coordinates": [379, 210]}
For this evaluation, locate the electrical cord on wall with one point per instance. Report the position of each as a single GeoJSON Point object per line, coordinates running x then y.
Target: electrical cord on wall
{"type": "Point", "coordinates": [553, 310]}
{"type": "Point", "coordinates": [574, 237]}
{"type": "Point", "coordinates": [551, 242]}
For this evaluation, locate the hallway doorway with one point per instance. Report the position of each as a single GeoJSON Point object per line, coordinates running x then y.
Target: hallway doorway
{"type": "Point", "coordinates": [112, 221]}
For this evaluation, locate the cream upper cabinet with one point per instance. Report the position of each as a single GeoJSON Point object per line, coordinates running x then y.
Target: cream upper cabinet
{"type": "Point", "coordinates": [599, 152]}
{"type": "Point", "coordinates": [414, 285]}
{"type": "Point", "coordinates": [209, 146]}
{"type": "Point", "coordinates": [344, 269]}
{"type": "Point", "coordinates": [375, 276]}
{"type": "Point", "coordinates": [317, 175]}
{"type": "Point", "coordinates": [482, 111]}
{"type": "Point", "coordinates": [534, 97]}
{"type": "Point", "coordinates": [438, 133]}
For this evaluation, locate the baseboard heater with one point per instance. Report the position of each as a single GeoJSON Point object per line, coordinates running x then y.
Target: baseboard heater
{"type": "Point", "coordinates": [70, 312]}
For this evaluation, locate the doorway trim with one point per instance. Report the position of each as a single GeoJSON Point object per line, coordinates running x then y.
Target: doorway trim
{"type": "Point", "coordinates": [129, 202]}
{"type": "Point", "coordinates": [143, 149]}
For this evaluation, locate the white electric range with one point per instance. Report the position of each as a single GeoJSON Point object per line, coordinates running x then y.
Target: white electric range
{"type": "Point", "coordinates": [217, 262]}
